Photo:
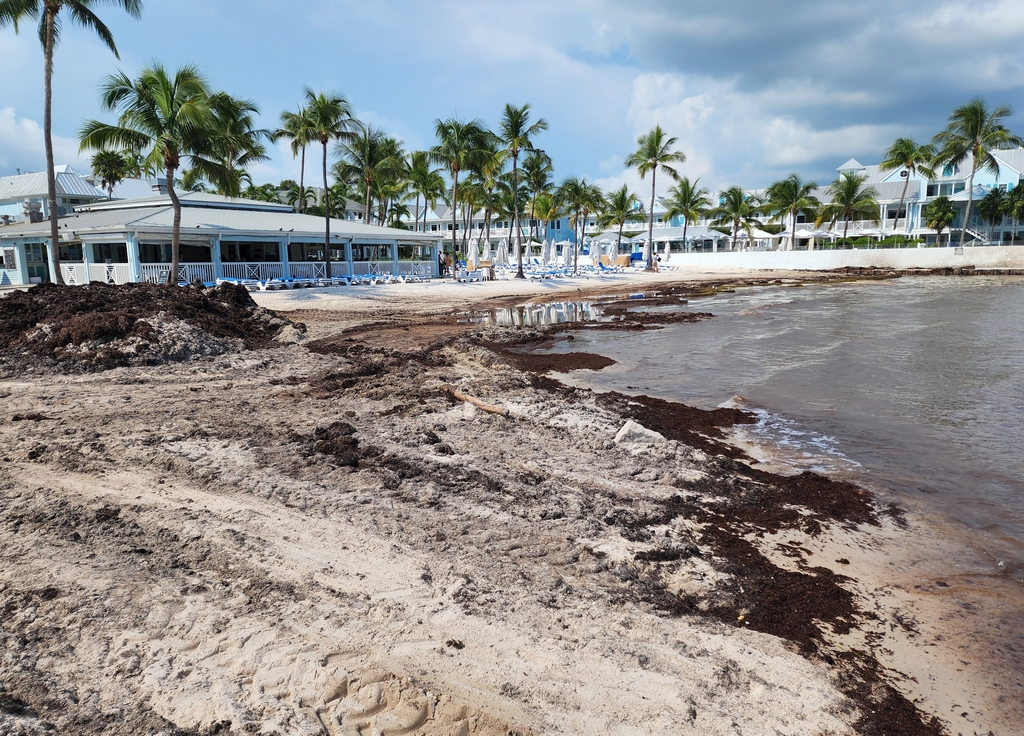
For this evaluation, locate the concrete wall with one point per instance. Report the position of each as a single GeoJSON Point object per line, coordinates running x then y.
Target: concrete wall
{"type": "Point", "coordinates": [824, 260]}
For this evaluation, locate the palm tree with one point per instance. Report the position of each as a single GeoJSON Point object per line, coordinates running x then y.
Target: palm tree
{"type": "Point", "coordinates": [654, 151]}
{"type": "Point", "coordinates": [330, 119]}
{"type": "Point", "coordinates": [687, 200]}
{"type": "Point", "coordinates": [168, 119]}
{"type": "Point", "coordinates": [621, 206]}
{"type": "Point", "coordinates": [537, 171]}
{"type": "Point", "coordinates": [939, 214]}
{"type": "Point", "coordinates": [299, 196]}
{"type": "Point", "coordinates": [111, 168]}
{"type": "Point", "coordinates": [459, 146]}
{"type": "Point", "coordinates": [192, 181]}
{"type": "Point", "coordinates": [974, 131]}
{"type": "Point", "coordinates": [546, 208]}
{"type": "Point", "coordinates": [367, 156]}
{"type": "Point", "coordinates": [850, 199]}
{"type": "Point", "coordinates": [516, 133]}
{"type": "Point", "coordinates": [295, 127]}
{"type": "Point", "coordinates": [425, 181]}
{"type": "Point", "coordinates": [791, 197]}
{"type": "Point", "coordinates": [569, 197]}
{"type": "Point", "coordinates": [905, 153]}
{"type": "Point", "coordinates": [993, 207]}
{"type": "Point", "coordinates": [736, 210]}
{"type": "Point", "coordinates": [48, 13]}
{"type": "Point", "coordinates": [488, 170]}
{"type": "Point", "coordinates": [1015, 207]}
{"type": "Point", "coordinates": [579, 198]}
{"type": "Point", "coordinates": [235, 142]}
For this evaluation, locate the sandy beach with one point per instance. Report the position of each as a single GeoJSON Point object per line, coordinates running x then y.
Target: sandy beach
{"type": "Point", "coordinates": [396, 523]}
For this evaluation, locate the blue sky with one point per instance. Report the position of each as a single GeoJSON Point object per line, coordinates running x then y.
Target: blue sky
{"type": "Point", "coordinates": [753, 90]}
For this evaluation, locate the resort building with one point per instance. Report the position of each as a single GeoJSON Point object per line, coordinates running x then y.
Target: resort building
{"type": "Point", "coordinates": [23, 198]}
{"type": "Point", "coordinates": [123, 241]}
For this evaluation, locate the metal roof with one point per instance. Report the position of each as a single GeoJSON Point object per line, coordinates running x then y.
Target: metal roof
{"type": "Point", "coordinates": [69, 184]}
{"type": "Point", "coordinates": [267, 222]}
{"type": "Point", "coordinates": [693, 232]}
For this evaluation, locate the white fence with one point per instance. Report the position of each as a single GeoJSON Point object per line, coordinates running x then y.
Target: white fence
{"type": "Point", "coordinates": [312, 270]}
{"type": "Point", "coordinates": [187, 272]}
{"type": "Point", "coordinates": [371, 268]}
{"type": "Point", "coordinates": [423, 269]}
{"type": "Point", "coordinates": [74, 274]}
{"type": "Point", "coordinates": [258, 271]}
{"type": "Point", "coordinates": [110, 273]}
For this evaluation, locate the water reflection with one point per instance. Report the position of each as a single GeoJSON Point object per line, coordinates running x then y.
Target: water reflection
{"type": "Point", "coordinates": [541, 315]}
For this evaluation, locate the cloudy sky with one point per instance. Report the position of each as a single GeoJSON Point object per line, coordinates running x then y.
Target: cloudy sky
{"type": "Point", "coordinates": [753, 90]}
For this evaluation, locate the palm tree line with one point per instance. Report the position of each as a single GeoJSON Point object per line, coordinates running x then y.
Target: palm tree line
{"type": "Point", "coordinates": [174, 123]}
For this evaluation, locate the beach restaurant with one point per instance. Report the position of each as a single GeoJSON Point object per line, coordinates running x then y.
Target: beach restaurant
{"type": "Point", "coordinates": [125, 241]}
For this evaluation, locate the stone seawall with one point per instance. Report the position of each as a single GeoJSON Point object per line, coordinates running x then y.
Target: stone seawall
{"type": "Point", "coordinates": [982, 258]}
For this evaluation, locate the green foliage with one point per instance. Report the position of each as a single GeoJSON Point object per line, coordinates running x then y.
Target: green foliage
{"type": "Point", "coordinates": [655, 150]}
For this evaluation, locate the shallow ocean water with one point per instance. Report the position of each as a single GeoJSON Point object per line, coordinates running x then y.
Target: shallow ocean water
{"type": "Point", "coordinates": [914, 387]}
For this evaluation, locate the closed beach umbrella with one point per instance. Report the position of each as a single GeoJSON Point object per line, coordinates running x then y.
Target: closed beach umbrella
{"type": "Point", "coordinates": [545, 252]}
{"type": "Point", "coordinates": [474, 255]}
{"type": "Point", "coordinates": [501, 255]}
{"type": "Point", "coordinates": [595, 252]}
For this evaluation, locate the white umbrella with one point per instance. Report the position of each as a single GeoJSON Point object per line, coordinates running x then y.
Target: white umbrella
{"type": "Point", "coordinates": [595, 252]}
{"type": "Point", "coordinates": [474, 255]}
{"type": "Point", "coordinates": [567, 248]}
{"type": "Point", "coordinates": [545, 252]}
{"type": "Point", "coordinates": [501, 255]}
{"type": "Point", "coordinates": [486, 246]}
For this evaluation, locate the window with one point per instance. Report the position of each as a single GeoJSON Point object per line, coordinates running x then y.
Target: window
{"type": "Point", "coordinates": [371, 251]}
{"type": "Point", "coordinates": [933, 190]}
{"type": "Point", "coordinates": [449, 226]}
{"type": "Point", "coordinates": [945, 189]}
{"type": "Point", "coordinates": [433, 228]}
{"type": "Point", "coordinates": [71, 252]}
{"type": "Point", "coordinates": [558, 224]}
{"type": "Point", "coordinates": [249, 252]}
{"type": "Point", "coordinates": [891, 214]}
{"type": "Point", "coordinates": [1002, 187]}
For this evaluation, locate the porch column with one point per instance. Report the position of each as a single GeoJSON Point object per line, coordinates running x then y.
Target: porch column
{"type": "Point", "coordinates": [286, 264]}
{"type": "Point", "coordinates": [215, 258]}
{"type": "Point", "coordinates": [87, 260]}
{"type": "Point", "coordinates": [134, 258]}
{"type": "Point", "coordinates": [394, 257]}
{"type": "Point", "coordinates": [348, 257]}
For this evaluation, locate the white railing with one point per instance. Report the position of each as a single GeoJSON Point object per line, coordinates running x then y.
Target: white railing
{"type": "Point", "coordinates": [258, 271]}
{"type": "Point", "coordinates": [311, 270]}
{"type": "Point", "coordinates": [156, 273]}
{"type": "Point", "coordinates": [423, 269]}
{"type": "Point", "coordinates": [370, 268]}
{"type": "Point", "coordinates": [110, 273]}
{"type": "Point", "coordinates": [75, 274]}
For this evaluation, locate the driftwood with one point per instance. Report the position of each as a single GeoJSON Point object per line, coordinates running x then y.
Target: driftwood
{"type": "Point", "coordinates": [502, 411]}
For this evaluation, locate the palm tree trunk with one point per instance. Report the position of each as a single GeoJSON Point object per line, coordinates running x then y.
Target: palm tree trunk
{"type": "Point", "coordinates": [366, 203]}
{"type": "Point", "coordinates": [455, 221]}
{"type": "Point", "coordinates": [970, 201]}
{"type": "Point", "coordinates": [618, 245]}
{"type": "Point", "coordinates": [846, 228]}
{"type": "Point", "coordinates": [51, 179]}
{"type": "Point", "coordinates": [792, 242]}
{"type": "Point", "coordinates": [515, 215]}
{"type": "Point", "coordinates": [649, 250]}
{"type": "Point", "coordinates": [172, 276]}
{"type": "Point", "coordinates": [686, 223]}
{"type": "Point", "coordinates": [327, 210]}
{"type": "Point", "coordinates": [302, 181]}
{"type": "Point", "coordinates": [735, 233]}
{"type": "Point", "coordinates": [903, 195]}
{"type": "Point", "coordinates": [416, 224]}
{"type": "Point", "coordinates": [487, 217]}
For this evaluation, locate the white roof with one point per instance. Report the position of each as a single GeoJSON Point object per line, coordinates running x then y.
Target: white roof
{"type": "Point", "coordinates": [851, 165]}
{"type": "Point", "coordinates": [206, 215]}
{"type": "Point", "coordinates": [69, 184]}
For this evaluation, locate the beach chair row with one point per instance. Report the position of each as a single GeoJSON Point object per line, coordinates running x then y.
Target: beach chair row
{"type": "Point", "coordinates": [321, 282]}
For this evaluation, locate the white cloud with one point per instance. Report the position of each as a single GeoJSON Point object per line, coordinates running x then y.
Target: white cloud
{"type": "Point", "coordinates": [21, 145]}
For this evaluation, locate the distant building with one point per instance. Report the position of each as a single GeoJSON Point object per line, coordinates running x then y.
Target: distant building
{"type": "Point", "coordinates": [24, 197]}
